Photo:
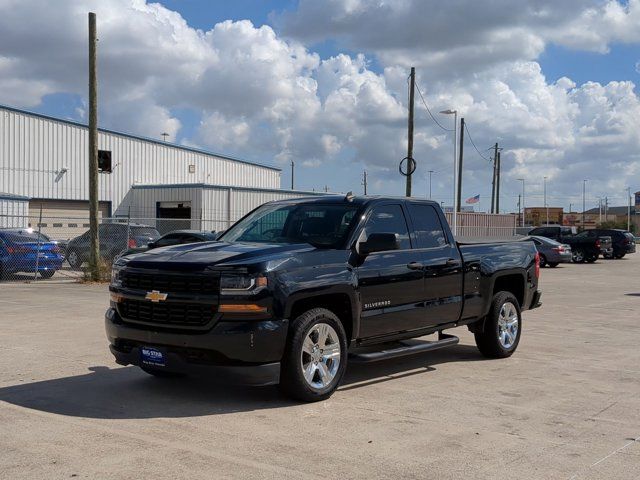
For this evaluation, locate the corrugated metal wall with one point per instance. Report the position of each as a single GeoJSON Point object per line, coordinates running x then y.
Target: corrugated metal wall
{"type": "Point", "coordinates": [34, 150]}
{"type": "Point", "coordinates": [212, 207]}
{"type": "Point", "coordinates": [13, 213]}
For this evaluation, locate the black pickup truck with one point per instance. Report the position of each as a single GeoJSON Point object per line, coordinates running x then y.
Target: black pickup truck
{"type": "Point", "coordinates": [297, 288]}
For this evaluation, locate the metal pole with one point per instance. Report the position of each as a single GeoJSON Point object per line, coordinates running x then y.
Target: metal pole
{"type": "Point", "coordinates": [35, 274]}
{"type": "Point", "coordinates": [292, 166]}
{"type": "Point", "coordinates": [599, 210]}
{"type": "Point", "coordinates": [523, 203]}
{"type": "Point", "coordinates": [545, 199]}
{"type": "Point", "coordinates": [455, 171]}
{"type": "Point", "coordinates": [94, 253]}
{"type": "Point", "coordinates": [584, 189]}
{"type": "Point", "coordinates": [410, 132]}
{"type": "Point", "coordinates": [364, 181]}
{"type": "Point", "coordinates": [629, 209]}
{"type": "Point", "coordinates": [430, 173]}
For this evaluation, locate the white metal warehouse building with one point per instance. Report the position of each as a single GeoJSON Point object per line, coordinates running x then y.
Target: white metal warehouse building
{"type": "Point", "coordinates": [43, 160]}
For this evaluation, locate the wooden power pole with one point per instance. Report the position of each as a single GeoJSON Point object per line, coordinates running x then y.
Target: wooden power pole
{"type": "Point", "coordinates": [412, 86]}
{"type": "Point", "coordinates": [364, 181]}
{"type": "Point", "coordinates": [498, 185]}
{"type": "Point", "coordinates": [94, 254]}
{"type": "Point", "coordinates": [292, 173]}
{"type": "Point", "coordinates": [460, 158]}
{"type": "Point", "coordinates": [493, 180]}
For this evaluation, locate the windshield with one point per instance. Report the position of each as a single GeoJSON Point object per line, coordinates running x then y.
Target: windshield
{"type": "Point", "coordinates": [325, 226]}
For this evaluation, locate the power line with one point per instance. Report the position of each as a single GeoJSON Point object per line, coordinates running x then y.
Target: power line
{"type": "Point", "coordinates": [430, 114]}
{"type": "Point", "coordinates": [474, 145]}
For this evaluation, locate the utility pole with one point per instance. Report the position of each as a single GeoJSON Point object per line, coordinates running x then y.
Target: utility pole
{"type": "Point", "coordinates": [523, 201]}
{"type": "Point", "coordinates": [599, 210]}
{"type": "Point", "coordinates": [459, 196]}
{"type": "Point", "coordinates": [519, 206]}
{"type": "Point", "coordinates": [493, 180]}
{"type": "Point", "coordinates": [364, 181]}
{"type": "Point", "coordinates": [292, 167]}
{"type": "Point", "coordinates": [498, 185]}
{"type": "Point", "coordinates": [410, 127]}
{"type": "Point", "coordinates": [430, 173]}
{"type": "Point", "coordinates": [94, 254]}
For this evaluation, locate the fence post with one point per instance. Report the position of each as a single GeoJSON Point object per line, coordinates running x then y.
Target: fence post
{"type": "Point", "coordinates": [35, 274]}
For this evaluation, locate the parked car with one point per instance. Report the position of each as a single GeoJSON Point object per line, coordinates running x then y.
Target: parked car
{"type": "Point", "coordinates": [551, 252]}
{"type": "Point", "coordinates": [584, 249]}
{"type": "Point", "coordinates": [114, 239]}
{"type": "Point", "coordinates": [177, 237]}
{"type": "Point", "coordinates": [622, 242]}
{"type": "Point", "coordinates": [298, 288]}
{"type": "Point", "coordinates": [25, 250]}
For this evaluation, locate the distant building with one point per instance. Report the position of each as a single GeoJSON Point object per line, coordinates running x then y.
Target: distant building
{"type": "Point", "coordinates": [538, 215]}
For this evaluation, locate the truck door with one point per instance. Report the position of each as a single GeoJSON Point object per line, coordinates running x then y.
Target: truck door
{"type": "Point", "coordinates": [390, 283]}
{"type": "Point", "coordinates": [442, 265]}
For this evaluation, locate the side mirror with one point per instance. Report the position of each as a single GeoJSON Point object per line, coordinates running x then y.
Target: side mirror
{"type": "Point", "coordinates": [379, 242]}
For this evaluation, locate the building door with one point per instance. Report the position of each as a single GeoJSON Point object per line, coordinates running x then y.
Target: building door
{"type": "Point", "coordinates": [173, 216]}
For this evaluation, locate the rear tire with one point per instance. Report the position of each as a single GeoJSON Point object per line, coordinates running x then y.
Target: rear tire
{"type": "Point", "coordinates": [315, 357]}
{"type": "Point", "coordinates": [591, 258]}
{"type": "Point", "coordinates": [553, 264]}
{"type": "Point", "coordinates": [620, 256]}
{"type": "Point", "coordinates": [578, 256]}
{"type": "Point", "coordinates": [543, 261]}
{"type": "Point", "coordinates": [47, 273]}
{"type": "Point", "coordinates": [502, 327]}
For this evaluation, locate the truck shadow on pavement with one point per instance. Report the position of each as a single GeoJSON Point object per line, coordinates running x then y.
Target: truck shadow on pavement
{"type": "Point", "coordinates": [129, 393]}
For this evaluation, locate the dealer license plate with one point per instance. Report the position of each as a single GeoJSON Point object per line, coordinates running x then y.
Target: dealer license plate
{"type": "Point", "coordinates": [152, 356]}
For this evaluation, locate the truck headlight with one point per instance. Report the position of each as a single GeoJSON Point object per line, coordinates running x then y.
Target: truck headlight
{"type": "Point", "coordinates": [241, 284]}
{"type": "Point", "coordinates": [115, 276]}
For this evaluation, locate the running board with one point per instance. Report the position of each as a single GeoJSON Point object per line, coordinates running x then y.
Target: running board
{"type": "Point", "coordinates": [443, 341]}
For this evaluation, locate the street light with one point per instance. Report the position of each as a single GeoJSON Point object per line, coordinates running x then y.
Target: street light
{"type": "Point", "coordinates": [522, 180]}
{"type": "Point", "coordinates": [584, 189]}
{"type": "Point", "coordinates": [545, 199]}
{"type": "Point", "coordinates": [455, 166]}
{"type": "Point", "coordinates": [431, 172]}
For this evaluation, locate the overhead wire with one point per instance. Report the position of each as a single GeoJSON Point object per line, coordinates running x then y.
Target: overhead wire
{"type": "Point", "coordinates": [429, 110]}
{"type": "Point", "coordinates": [473, 143]}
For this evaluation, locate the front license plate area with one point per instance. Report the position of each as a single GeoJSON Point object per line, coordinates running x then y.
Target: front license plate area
{"type": "Point", "coordinates": [152, 356]}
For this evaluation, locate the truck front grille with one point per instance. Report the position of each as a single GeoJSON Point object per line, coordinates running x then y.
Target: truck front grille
{"type": "Point", "coordinates": [171, 283]}
{"type": "Point", "coordinates": [172, 314]}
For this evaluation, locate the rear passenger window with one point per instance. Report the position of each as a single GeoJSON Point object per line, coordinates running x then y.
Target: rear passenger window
{"type": "Point", "coordinates": [389, 219]}
{"type": "Point", "coordinates": [428, 229]}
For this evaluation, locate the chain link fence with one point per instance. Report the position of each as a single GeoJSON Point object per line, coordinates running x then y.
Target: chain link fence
{"type": "Point", "coordinates": [47, 248]}
{"type": "Point", "coordinates": [41, 247]}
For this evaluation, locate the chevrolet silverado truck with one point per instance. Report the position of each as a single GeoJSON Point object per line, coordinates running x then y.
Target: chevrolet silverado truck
{"type": "Point", "coordinates": [297, 289]}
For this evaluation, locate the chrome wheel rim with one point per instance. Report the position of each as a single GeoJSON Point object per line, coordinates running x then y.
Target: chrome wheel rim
{"type": "Point", "coordinates": [508, 325]}
{"type": "Point", "coordinates": [73, 258]}
{"type": "Point", "coordinates": [578, 256]}
{"type": "Point", "coordinates": [320, 357]}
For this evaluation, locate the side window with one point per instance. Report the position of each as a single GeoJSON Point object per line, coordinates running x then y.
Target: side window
{"type": "Point", "coordinates": [428, 229]}
{"type": "Point", "coordinates": [537, 231]}
{"type": "Point", "coordinates": [389, 219]}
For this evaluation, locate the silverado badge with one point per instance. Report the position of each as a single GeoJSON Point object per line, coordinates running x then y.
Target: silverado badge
{"type": "Point", "coordinates": [156, 296]}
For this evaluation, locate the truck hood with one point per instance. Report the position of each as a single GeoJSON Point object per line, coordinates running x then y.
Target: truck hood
{"type": "Point", "coordinates": [194, 257]}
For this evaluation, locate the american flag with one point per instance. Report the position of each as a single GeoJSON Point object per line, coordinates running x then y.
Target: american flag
{"type": "Point", "coordinates": [475, 199]}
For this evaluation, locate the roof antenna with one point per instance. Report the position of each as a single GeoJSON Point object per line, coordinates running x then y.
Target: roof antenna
{"type": "Point", "coordinates": [349, 196]}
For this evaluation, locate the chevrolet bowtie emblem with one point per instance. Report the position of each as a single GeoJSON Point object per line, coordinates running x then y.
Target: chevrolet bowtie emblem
{"type": "Point", "coordinates": [156, 296]}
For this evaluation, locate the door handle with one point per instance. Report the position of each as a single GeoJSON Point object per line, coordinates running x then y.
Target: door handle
{"type": "Point", "coordinates": [415, 266]}
{"type": "Point", "coordinates": [452, 262]}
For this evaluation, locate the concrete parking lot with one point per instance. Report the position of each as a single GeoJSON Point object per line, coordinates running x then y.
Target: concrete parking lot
{"type": "Point", "coordinates": [565, 406]}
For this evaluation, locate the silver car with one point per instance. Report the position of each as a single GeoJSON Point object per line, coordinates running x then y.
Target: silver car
{"type": "Point", "coordinates": [551, 252]}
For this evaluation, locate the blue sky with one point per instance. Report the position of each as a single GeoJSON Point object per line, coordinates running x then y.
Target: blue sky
{"type": "Point", "coordinates": [338, 116]}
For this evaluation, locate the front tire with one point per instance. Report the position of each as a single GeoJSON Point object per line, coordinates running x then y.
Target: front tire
{"type": "Point", "coordinates": [74, 259]}
{"type": "Point", "coordinates": [47, 273]}
{"type": "Point", "coordinates": [502, 327]}
{"type": "Point", "coordinates": [553, 264]}
{"type": "Point", "coordinates": [620, 256]}
{"type": "Point", "coordinates": [315, 357]}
